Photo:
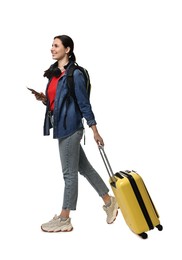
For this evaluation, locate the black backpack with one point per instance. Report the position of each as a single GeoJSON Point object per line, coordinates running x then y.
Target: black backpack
{"type": "Point", "coordinates": [70, 80]}
{"type": "Point", "coordinates": [71, 86]}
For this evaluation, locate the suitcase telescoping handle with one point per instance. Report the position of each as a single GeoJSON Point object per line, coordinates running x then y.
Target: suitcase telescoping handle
{"type": "Point", "coordinates": [107, 164]}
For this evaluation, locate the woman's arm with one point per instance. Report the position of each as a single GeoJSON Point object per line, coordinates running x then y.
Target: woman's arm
{"type": "Point", "coordinates": [97, 136]}
{"type": "Point", "coordinates": [85, 106]}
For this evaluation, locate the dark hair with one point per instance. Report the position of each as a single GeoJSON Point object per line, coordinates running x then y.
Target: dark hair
{"type": "Point", "coordinates": [67, 42]}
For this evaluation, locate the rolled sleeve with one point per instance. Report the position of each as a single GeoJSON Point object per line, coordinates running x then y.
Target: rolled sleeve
{"type": "Point", "coordinates": [91, 122]}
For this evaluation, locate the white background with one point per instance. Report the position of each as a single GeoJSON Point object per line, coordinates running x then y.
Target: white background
{"type": "Point", "coordinates": [132, 50]}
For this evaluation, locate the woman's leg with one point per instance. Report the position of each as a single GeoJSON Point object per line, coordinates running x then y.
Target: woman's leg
{"type": "Point", "coordinates": [69, 149]}
{"type": "Point", "coordinates": [87, 170]}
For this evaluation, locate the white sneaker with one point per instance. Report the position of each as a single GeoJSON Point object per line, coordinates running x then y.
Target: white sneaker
{"type": "Point", "coordinates": [57, 225]}
{"type": "Point", "coordinates": [111, 211]}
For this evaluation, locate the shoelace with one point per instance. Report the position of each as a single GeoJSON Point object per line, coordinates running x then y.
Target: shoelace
{"type": "Point", "coordinates": [56, 217]}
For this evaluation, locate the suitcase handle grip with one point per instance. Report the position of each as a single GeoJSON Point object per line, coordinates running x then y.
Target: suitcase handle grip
{"type": "Point", "coordinates": [106, 162]}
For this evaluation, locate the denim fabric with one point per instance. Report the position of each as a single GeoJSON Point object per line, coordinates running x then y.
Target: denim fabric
{"type": "Point", "coordinates": [68, 116]}
{"type": "Point", "coordinates": [74, 160]}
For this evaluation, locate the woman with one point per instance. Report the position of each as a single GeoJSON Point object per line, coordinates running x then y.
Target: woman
{"type": "Point", "coordinates": [66, 121]}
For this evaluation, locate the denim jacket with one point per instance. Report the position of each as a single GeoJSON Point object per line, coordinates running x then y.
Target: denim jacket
{"type": "Point", "coordinates": [68, 118]}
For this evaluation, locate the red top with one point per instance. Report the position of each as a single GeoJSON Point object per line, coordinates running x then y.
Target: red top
{"type": "Point", "coordinates": [51, 92]}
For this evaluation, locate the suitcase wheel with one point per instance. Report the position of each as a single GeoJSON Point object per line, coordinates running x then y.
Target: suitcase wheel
{"type": "Point", "coordinates": [159, 227]}
{"type": "Point", "coordinates": [143, 235]}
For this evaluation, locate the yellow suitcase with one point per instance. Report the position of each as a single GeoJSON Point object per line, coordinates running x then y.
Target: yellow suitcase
{"type": "Point", "coordinates": [133, 199]}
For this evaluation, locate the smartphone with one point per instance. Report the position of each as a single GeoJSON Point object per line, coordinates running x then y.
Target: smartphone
{"type": "Point", "coordinates": [33, 91]}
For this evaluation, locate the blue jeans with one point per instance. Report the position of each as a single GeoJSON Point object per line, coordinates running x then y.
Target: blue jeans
{"type": "Point", "coordinates": [74, 160]}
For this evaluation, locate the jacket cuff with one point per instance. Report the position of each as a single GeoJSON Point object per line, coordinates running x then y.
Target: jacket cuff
{"type": "Point", "coordinates": [91, 122]}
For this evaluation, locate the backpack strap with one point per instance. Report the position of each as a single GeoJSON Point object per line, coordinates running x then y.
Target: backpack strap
{"type": "Point", "coordinates": [71, 92]}
{"type": "Point", "coordinates": [70, 80]}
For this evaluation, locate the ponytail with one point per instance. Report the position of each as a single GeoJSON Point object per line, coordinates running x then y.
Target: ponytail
{"type": "Point", "coordinates": [72, 57]}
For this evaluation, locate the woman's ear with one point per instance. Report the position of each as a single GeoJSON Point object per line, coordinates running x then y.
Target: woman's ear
{"type": "Point", "coordinates": [67, 50]}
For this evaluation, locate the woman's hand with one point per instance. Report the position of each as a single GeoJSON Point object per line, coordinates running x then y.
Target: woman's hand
{"type": "Point", "coordinates": [40, 97]}
{"type": "Point", "coordinates": [98, 139]}
{"type": "Point", "coordinates": [97, 136]}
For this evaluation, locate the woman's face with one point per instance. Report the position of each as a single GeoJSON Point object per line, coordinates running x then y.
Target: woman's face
{"type": "Point", "coordinates": [58, 50]}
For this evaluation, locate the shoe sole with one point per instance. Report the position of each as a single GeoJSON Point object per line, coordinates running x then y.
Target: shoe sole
{"type": "Point", "coordinates": [114, 218]}
{"type": "Point", "coordinates": [57, 231]}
